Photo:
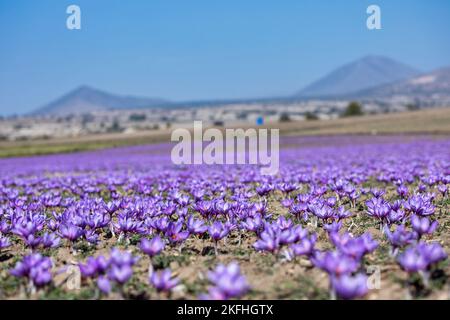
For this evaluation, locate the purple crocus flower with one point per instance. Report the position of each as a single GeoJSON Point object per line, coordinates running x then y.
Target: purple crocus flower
{"type": "Point", "coordinates": [4, 227]}
{"type": "Point", "coordinates": [331, 201]}
{"type": "Point", "coordinates": [422, 188]}
{"type": "Point", "coordinates": [299, 232]}
{"type": "Point", "coordinates": [333, 227]}
{"type": "Point", "coordinates": [288, 187]}
{"type": "Point", "coordinates": [221, 207]}
{"type": "Point", "coordinates": [24, 228]}
{"type": "Point", "coordinates": [377, 193]}
{"type": "Point", "coordinates": [104, 284]}
{"type": "Point", "coordinates": [433, 252]}
{"type": "Point", "coordinates": [94, 266]}
{"type": "Point", "coordinates": [402, 191]}
{"type": "Point", "coordinates": [378, 208]}
{"type": "Point", "coordinates": [32, 241]}
{"type": "Point", "coordinates": [419, 205]}
{"type": "Point", "coordinates": [228, 281]}
{"type": "Point", "coordinates": [283, 223]}
{"type": "Point", "coordinates": [253, 224]}
{"type": "Point", "coordinates": [152, 247]}
{"type": "Point", "coordinates": [91, 236]}
{"type": "Point", "coordinates": [321, 211]}
{"type": "Point", "coordinates": [268, 241]}
{"type": "Point", "coordinates": [122, 258]}
{"type": "Point", "coordinates": [287, 236]}
{"type": "Point", "coordinates": [120, 273]}
{"type": "Point", "coordinates": [70, 232]}
{"type": "Point", "coordinates": [4, 242]}
{"type": "Point", "coordinates": [264, 189]}
{"type": "Point", "coordinates": [412, 260]}
{"type": "Point", "coordinates": [442, 189]}
{"type": "Point", "coordinates": [305, 247]}
{"type": "Point", "coordinates": [368, 242]}
{"type": "Point", "coordinates": [203, 207]}
{"type": "Point", "coordinates": [218, 230]}
{"type": "Point", "coordinates": [112, 206]}
{"type": "Point", "coordinates": [334, 262]}
{"type": "Point", "coordinates": [400, 237]}
{"type": "Point", "coordinates": [395, 216]}
{"type": "Point", "coordinates": [182, 200]}
{"type": "Point", "coordinates": [349, 287]}
{"type": "Point", "coordinates": [127, 224]}
{"type": "Point", "coordinates": [355, 247]}
{"type": "Point", "coordinates": [421, 256]}
{"type": "Point", "coordinates": [339, 239]}
{"type": "Point", "coordinates": [160, 224]}
{"type": "Point", "coordinates": [163, 280]}
{"type": "Point", "coordinates": [98, 220]}
{"type": "Point", "coordinates": [103, 264]}
{"type": "Point", "coordinates": [89, 269]}
{"type": "Point", "coordinates": [287, 203]}
{"type": "Point", "coordinates": [175, 234]}
{"type": "Point", "coordinates": [196, 226]}
{"type": "Point", "coordinates": [50, 240]}
{"type": "Point", "coordinates": [260, 207]}
{"type": "Point", "coordinates": [423, 225]}
{"type": "Point", "coordinates": [35, 267]}
{"type": "Point", "coordinates": [118, 267]}
{"type": "Point", "coordinates": [52, 225]}
{"type": "Point", "coordinates": [40, 277]}
{"type": "Point", "coordinates": [299, 210]}
{"type": "Point", "coordinates": [342, 213]}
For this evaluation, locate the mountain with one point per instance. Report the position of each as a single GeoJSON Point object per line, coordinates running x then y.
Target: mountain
{"type": "Point", "coordinates": [425, 85]}
{"type": "Point", "coordinates": [367, 72]}
{"type": "Point", "coordinates": [86, 99]}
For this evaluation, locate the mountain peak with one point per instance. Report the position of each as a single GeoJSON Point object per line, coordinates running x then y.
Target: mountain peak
{"type": "Point", "coordinates": [84, 88]}
{"type": "Point", "coordinates": [423, 85]}
{"type": "Point", "coordinates": [374, 57]}
{"type": "Point", "coordinates": [87, 99]}
{"type": "Point", "coordinates": [367, 72]}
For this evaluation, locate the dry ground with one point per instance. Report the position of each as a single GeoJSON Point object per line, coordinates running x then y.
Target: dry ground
{"type": "Point", "coordinates": [270, 276]}
{"type": "Point", "coordinates": [432, 121]}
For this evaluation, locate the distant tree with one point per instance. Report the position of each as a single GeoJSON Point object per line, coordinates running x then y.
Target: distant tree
{"type": "Point", "coordinates": [412, 107]}
{"type": "Point", "coordinates": [353, 109]}
{"type": "Point", "coordinates": [87, 117]}
{"type": "Point", "coordinates": [311, 116]}
{"type": "Point", "coordinates": [115, 127]}
{"type": "Point", "coordinates": [135, 117]}
{"type": "Point", "coordinates": [242, 115]}
{"type": "Point", "coordinates": [284, 117]}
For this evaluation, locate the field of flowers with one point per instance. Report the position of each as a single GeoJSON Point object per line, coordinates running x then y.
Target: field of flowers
{"type": "Point", "coordinates": [346, 217]}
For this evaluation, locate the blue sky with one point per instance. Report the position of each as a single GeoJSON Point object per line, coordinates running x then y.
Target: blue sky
{"type": "Point", "coordinates": [203, 49]}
